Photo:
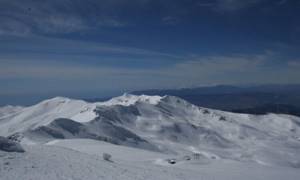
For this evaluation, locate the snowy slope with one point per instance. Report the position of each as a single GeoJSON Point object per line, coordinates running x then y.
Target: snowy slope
{"type": "Point", "coordinates": [167, 125]}
{"type": "Point", "coordinates": [7, 110]}
{"type": "Point", "coordinates": [44, 113]}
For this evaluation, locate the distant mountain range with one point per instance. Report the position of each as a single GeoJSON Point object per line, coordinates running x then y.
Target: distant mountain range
{"type": "Point", "coordinates": [259, 99]}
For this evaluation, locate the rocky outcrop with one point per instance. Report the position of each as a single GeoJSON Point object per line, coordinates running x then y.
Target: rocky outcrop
{"type": "Point", "coordinates": [9, 145]}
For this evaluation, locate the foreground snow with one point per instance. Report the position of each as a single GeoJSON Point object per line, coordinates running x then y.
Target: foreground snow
{"type": "Point", "coordinates": [68, 160]}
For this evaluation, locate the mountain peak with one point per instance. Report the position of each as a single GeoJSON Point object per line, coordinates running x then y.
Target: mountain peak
{"type": "Point", "coordinates": [130, 99]}
{"type": "Point", "coordinates": [57, 98]}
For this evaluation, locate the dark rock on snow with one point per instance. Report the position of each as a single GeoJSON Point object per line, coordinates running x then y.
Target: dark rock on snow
{"type": "Point", "coordinates": [9, 145]}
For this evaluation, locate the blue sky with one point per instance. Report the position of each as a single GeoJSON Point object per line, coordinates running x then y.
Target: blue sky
{"type": "Point", "coordinates": [94, 48]}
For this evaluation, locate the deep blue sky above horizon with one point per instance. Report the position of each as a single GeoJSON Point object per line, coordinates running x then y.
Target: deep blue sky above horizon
{"type": "Point", "coordinates": [90, 48]}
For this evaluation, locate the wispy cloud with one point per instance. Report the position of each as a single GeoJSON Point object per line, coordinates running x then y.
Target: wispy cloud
{"type": "Point", "coordinates": [226, 6]}
{"type": "Point", "coordinates": [169, 20]}
{"type": "Point", "coordinates": [233, 5]}
{"type": "Point", "coordinates": [55, 16]}
{"type": "Point", "coordinates": [21, 17]}
{"type": "Point", "coordinates": [197, 71]}
{"type": "Point", "coordinates": [294, 64]}
{"type": "Point", "coordinates": [44, 46]}
{"type": "Point", "coordinates": [206, 4]}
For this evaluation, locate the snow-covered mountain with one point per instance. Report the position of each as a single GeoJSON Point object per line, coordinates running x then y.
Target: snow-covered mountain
{"type": "Point", "coordinates": [147, 131]}
{"type": "Point", "coordinates": [164, 124]}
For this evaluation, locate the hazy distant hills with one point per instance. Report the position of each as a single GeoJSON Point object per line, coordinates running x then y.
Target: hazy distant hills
{"type": "Point", "coordinates": [258, 99]}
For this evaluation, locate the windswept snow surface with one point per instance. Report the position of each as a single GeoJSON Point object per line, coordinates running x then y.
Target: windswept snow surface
{"type": "Point", "coordinates": [143, 133]}
{"type": "Point", "coordinates": [6, 110]}
{"type": "Point", "coordinates": [67, 159]}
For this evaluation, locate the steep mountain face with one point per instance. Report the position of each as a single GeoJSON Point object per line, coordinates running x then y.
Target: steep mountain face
{"type": "Point", "coordinates": [167, 124]}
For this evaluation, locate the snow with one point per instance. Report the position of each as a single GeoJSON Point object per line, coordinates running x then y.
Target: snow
{"type": "Point", "coordinates": [44, 113]}
{"type": "Point", "coordinates": [118, 152]}
{"type": "Point", "coordinates": [51, 162]}
{"type": "Point", "coordinates": [16, 119]}
{"type": "Point", "coordinates": [129, 99]}
{"type": "Point", "coordinates": [66, 139]}
{"type": "Point", "coordinates": [7, 110]}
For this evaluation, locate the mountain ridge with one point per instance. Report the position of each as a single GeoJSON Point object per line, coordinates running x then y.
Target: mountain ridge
{"type": "Point", "coordinates": [166, 124]}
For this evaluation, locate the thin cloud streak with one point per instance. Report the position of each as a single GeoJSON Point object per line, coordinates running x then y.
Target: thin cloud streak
{"type": "Point", "coordinates": [200, 70]}
{"type": "Point", "coordinates": [56, 46]}
{"type": "Point", "coordinates": [54, 17]}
